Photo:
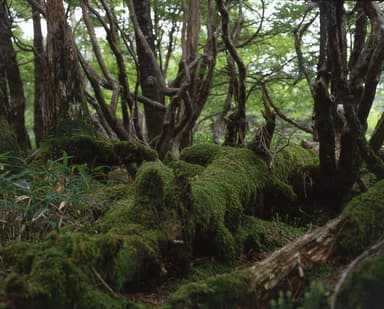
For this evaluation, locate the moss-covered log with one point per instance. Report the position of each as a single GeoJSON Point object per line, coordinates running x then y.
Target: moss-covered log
{"type": "Point", "coordinates": [359, 225]}
{"type": "Point", "coordinates": [168, 217]}
{"type": "Point", "coordinates": [79, 140]}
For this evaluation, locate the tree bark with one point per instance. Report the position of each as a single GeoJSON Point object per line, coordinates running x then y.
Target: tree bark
{"type": "Point", "coordinates": [148, 75]}
{"type": "Point", "coordinates": [65, 96]}
{"type": "Point", "coordinates": [15, 84]}
{"type": "Point", "coordinates": [39, 57]}
{"type": "Point", "coordinates": [241, 89]}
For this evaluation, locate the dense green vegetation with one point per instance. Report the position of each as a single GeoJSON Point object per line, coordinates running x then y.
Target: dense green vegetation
{"type": "Point", "coordinates": [187, 154]}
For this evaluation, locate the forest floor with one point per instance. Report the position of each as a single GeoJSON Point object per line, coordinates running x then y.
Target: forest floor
{"type": "Point", "coordinates": [177, 235]}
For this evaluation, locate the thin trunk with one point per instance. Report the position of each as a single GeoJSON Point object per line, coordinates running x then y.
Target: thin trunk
{"type": "Point", "coordinates": [241, 91]}
{"type": "Point", "coordinates": [148, 75]}
{"type": "Point", "coordinates": [38, 46]}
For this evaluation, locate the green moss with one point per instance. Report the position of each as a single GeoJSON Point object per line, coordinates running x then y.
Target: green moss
{"type": "Point", "coordinates": [257, 235]}
{"type": "Point", "coordinates": [227, 185]}
{"type": "Point", "coordinates": [138, 266]}
{"type": "Point", "coordinates": [19, 253]}
{"type": "Point", "coordinates": [202, 154]}
{"type": "Point", "coordinates": [291, 158]}
{"type": "Point", "coordinates": [188, 169]}
{"type": "Point", "coordinates": [164, 218]}
{"type": "Point", "coordinates": [56, 281]}
{"type": "Point", "coordinates": [363, 221]}
{"type": "Point", "coordinates": [223, 291]}
{"type": "Point", "coordinates": [78, 139]}
{"type": "Point", "coordinates": [364, 287]}
{"type": "Point", "coordinates": [74, 127]}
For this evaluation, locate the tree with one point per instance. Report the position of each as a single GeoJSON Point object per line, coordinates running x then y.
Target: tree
{"type": "Point", "coordinates": [38, 48]}
{"type": "Point", "coordinates": [15, 85]}
{"type": "Point", "coordinates": [346, 83]}
{"type": "Point", "coordinates": [149, 72]}
{"type": "Point", "coordinates": [64, 86]}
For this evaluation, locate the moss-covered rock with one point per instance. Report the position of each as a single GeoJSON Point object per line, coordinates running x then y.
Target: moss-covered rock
{"type": "Point", "coordinates": [364, 287]}
{"type": "Point", "coordinates": [363, 221]}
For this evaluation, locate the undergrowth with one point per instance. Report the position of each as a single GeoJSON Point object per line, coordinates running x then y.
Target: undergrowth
{"type": "Point", "coordinates": [38, 198]}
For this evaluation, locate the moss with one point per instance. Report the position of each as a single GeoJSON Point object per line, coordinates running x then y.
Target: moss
{"type": "Point", "coordinates": [290, 159]}
{"type": "Point", "coordinates": [279, 198]}
{"type": "Point", "coordinates": [223, 291]}
{"type": "Point", "coordinates": [224, 244]}
{"type": "Point", "coordinates": [364, 287]}
{"type": "Point", "coordinates": [56, 281]}
{"type": "Point", "coordinates": [164, 218]}
{"type": "Point", "coordinates": [188, 169]}
{"type": "Point", "coordinates": [363, 221]}
{"type": "Point", "coordinates": [74, 127]}
{"type": "Point", "coordinates": [19, 253]}
{"type": "Point", "coordinates": [230, 182]}
{"type": "Point", "coordinates": [202, 154]}
{"type": "Point", "coordinates": [257, 235]}
{"type": "Point", "coordinates": [79, 140]}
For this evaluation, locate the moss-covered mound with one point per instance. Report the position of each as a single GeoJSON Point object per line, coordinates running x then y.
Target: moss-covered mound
{"type": "Point", "coordinates": [364, 287]}
{"type": "Point", "coordinates": [168, 216]}
{"type": "Point", "coordinates": [138, 240]}
{"type": "Point", "coordinates": [363, 221]}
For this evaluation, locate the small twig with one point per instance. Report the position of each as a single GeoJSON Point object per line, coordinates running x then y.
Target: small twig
{"type": "Point", "coordinates": [103, 282]}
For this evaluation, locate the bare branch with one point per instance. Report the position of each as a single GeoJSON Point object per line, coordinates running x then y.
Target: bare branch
{"type": "Point", "coordinates": [267, 97]}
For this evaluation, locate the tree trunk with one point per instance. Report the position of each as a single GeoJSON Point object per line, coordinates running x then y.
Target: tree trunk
{"type": "Point", "coordinates": [8, 142]}
{"type": "Point", "coordinates": [16, 91]}
{"type": "Point", "coordinates": [65, 96]}
{"type": "Point", "coordinates": [4, 102]}
{"type": "Point", "coordinates": [344, 94]}
{"type": "Point", "coordinates": [39, 57]}
{"type": "Point", "coordinates": [148, 75]}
